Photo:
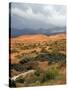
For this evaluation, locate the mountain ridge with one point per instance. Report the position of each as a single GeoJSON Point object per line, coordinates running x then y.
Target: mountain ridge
{"type": "Point", "coordinates": [38, 38]}
{"type": "Point", "coordinates": [28, 31]}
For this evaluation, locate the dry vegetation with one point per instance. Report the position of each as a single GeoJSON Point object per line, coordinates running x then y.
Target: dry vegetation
{"type": "Point", "coordinates": [46, 55]}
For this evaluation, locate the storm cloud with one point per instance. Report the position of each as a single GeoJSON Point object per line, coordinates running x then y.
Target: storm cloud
{"type": "Point", "coordinates": [36, 16]}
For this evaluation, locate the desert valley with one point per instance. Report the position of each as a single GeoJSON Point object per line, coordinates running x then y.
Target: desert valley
{"type": "Point", "coordinates": [37, 60]}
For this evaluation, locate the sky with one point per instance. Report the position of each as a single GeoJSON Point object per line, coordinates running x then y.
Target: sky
{"type": "Point", "coordinates": [38, 16]}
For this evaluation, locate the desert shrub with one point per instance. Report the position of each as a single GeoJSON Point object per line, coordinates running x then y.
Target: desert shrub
{"type": "Point", "coordinates": [38, 75]}
{"type": "Point", "coordinates": [43, 50]}
{"type": "Point", "coordinates": [12, 83]}
{"type": "Point", "coordinates": [18, 56]}
{"type": "Point", "coordinates": [62, 63]}
{"type": "Point", "coordinates": [37, 72]}
{"type": "Point", "coordinates": [41, 57]}
{"type": "Point", "coordinates": [51, 73]}
{"type": "Point", "coordinates": [20, 79]}
{"type": "Point", "coordinates": [34, 51]}
{"type": "Point", "coordinates": [49, 62]}
{"type": "Point", "coordinates": [51, 57]}
{"type": "Point", "coordinates": [24, 67]}
{"type": "Point", "coordinates": [57, 46]}
{"type": "Point", "coordinates": [43, 76]}
{"type": "Point", "coordinates": [33, 64]}
{"type": "Point", "coordinates": [55, 50]}
{"type": "Point", "coordinates": [37, 83]}
{"type": "Point", "coordinates": [29, 78]}
{"type": "Point", "coordinates": [55, 57]}
{"type": "Point", "coordinates": [14, 50]}
{"type": "Point", "coordinates": [24, 60]}
{"type": "Point", "coordinates": [18, 67]}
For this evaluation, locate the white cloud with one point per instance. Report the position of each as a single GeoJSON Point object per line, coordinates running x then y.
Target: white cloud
{"type": "Point", "coordinates": [53, 16]}
{"type": "Point", "coordinates": [58, 20]}
{"type": "Point", "coordinates": [27, 14]}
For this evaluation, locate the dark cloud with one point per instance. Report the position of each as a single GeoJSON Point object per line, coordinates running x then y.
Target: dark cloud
{"type": "Point", "coordinates": [36, 16]}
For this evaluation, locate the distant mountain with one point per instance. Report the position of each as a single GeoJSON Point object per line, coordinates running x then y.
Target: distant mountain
{"type": "Point", "coordinates": [38, 38]}
{"type": "Point", "coordinates": [26, 31]}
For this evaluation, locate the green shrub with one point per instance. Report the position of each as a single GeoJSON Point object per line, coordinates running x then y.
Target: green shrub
{"type": "Point", "coordinates": [50, 62]}
{"type": "Point", "coordinates": [12, 83]}
{"type": "Point", "coordinates": [20, 79]}
{"type": "Point", "coordinates": [51, 73]}
{"type": "Point", "coordinates": [14, 50]}
{"type": "Point", "coordinates": [37, 72]}
{"type": "Point", "coordinates": [24, 60]}
{"type": "Point", "coordinates": [39, 75]}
